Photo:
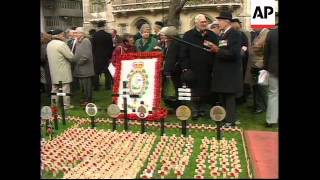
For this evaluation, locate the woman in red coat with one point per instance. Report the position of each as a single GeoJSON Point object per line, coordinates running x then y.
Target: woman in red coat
{"type": "Point", "coordinates": [127, 46]}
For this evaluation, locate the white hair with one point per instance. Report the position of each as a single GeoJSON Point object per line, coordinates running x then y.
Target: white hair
{"type": "Point", "coordinates": [144, 26]}
{"type": "Point", "coordinates": [198, 18]}
{"type": "Point", "coordinates": [79, 29]}
{"type": "Point", "coordinates": [169, 31]}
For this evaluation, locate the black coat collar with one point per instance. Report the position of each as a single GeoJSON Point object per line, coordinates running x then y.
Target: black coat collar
{"type": "Point", "coordinates": [225, 36]}
{"type": "Point", "coordinates": [197, 33]}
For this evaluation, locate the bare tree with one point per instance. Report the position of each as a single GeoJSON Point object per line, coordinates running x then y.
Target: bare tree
{"type": "Point", "coordinates": [174, 12]}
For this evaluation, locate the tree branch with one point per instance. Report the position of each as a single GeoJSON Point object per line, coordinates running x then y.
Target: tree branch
{"type": "Point", "coordinates": [182, 3]}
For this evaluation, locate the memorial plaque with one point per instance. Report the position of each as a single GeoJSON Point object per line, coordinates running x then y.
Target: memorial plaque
{"type": "Point", "coordinates": [184, 98]}
{"type": "Point", "coordinates": [184, 90]}
{"type": "Point", "coordinates": [46, 112]}
{"type": "Point", "coordinates": [91, 109]}
{"type": "Point", "coordinates": [217, 113]}
{"type": "Point", "coordinates": [183, 112]}
{"type": "Point", "coordinates": [142, 112]}
{"type": "Point", "coordinates": [113, 111]}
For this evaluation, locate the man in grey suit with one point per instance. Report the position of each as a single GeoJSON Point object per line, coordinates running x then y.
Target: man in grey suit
{"type": "Point", "coordinates": [83, 67]}
{"type": "Point", "coordinates": [271, 60]}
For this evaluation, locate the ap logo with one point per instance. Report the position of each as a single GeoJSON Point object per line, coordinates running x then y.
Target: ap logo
{"type": "Point", "coordinates": [263, 13]}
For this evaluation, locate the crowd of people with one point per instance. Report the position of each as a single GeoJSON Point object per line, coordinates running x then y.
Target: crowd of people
{"type": "Point", "coordinates": [224, 71]}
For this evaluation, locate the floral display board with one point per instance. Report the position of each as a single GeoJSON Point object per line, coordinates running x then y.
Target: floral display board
{"type": "Point", "coordinates": [142, 73]}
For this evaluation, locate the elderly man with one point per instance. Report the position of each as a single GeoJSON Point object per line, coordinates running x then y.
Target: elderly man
{"type": "Point", "coordinates": [60, 58]}
{"type": "Point", "coordinates": [83, 68]}
{"type": "Point", "coordinates": [199, 62]}
{"type": "Point", "coordinates": [226, 73]}
{"type": "Point", "coordinates": [71, 40]}
{"type": "Point", "coordinates": [102, 47]}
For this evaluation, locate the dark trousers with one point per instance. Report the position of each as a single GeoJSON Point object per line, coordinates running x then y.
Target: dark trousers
{"type": "Point", "coordinates": [228, 101]}
{"type": "Point", "coordinates": [200, 106]}
{"type": "Point", "coordinates": [259, 92]}
{"type": "Point", "coordinates": [259, 97]}
{"type": "Point", "coordinates": [246, 87]}
{"type": "Point", "coordinates": [108, 80]}
{"type": "Point", "coordinates": [175, 77]}
{"type": "Point", "coordinates": [86, 85]}
{"type": "Point", "coordinates": [75, 85]}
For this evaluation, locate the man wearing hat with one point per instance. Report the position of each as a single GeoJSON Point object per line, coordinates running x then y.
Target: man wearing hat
{"type": "Point", "coordinates": [102, 47]}
{"type": "Point", "coordinates": [226, 72]}
{"type": "Point", "coordinates": [199, 62]}
{"type": "Point", "coordinates": [245, 41]}
{"type": "Point", "coordinates": [60, 58]}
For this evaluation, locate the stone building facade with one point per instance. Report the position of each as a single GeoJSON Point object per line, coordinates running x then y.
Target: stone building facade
{"type": "Point", "coordinates": [126, 15]}
{"type": "Point", "coordinates": [61, 14]}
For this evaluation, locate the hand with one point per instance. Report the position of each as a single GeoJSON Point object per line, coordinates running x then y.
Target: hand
{"type": "Point", "coordinates": [242, 52]}
{"type": "Point", "coordinates": [214, 48]}
{"type": "Point", "coordinates": [207, 43]}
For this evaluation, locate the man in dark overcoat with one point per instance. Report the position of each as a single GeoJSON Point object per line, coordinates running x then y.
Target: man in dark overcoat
{"type": "Point", "coordinates": [102, 46]}
{"type": "Point", "coordinates": [227, 71]}
{"type": "Point", "coordinates": [199, 62]}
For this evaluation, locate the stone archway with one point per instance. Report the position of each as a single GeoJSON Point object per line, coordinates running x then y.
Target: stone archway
{"type": "Point", "coordinates": [137, 23]}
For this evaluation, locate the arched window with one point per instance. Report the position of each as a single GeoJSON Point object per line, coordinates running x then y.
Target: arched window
{"type": "Point", "coordinates": [97, 6]}
{"type": "Point", "coordinates": [139, 23]}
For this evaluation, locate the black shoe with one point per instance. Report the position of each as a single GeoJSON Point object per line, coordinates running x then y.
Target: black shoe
{"type": "Point", "coordinates": [228, 125]}
{"type": "Point", "coordinates": [195, 117]}
{"type": "Point", "coordinates": [202, 114]}
{"type": "Point", "coordinates": [269, 125]}
{"type": "Point", "coordinates": [258, 111]}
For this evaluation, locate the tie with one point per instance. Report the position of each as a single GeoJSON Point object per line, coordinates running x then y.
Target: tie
{"type": "Point", "coordinates": [221, 35]}
{"type": "Point", "coordinates": [73, 49]}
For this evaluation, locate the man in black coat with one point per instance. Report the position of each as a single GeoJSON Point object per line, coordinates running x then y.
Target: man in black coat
{"type": "Point", "coordinates": [227, 71]}
{"type": "Point", "coordinates": [102, 47]}
{"type": "Point", "coordinates": [271, 61]}
{"type": "Point", "coordinates": [172, 69]}
{"type": "Point", "coordinates": [199, 62]}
